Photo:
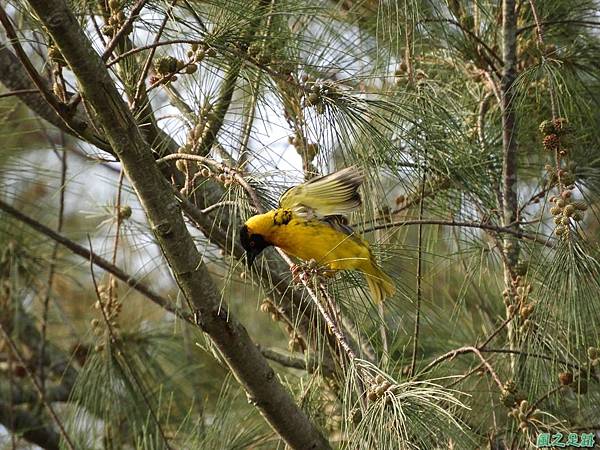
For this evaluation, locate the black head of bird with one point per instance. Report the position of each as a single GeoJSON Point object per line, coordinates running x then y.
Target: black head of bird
{"type": "Point", "coordinates": [253, 243]}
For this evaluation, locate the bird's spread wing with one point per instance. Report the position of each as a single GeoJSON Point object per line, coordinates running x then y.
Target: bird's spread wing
{"type": "Point", "coordinates": [333, 194]}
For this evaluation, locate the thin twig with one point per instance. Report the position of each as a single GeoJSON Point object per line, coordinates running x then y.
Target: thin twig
{"type": "Point", "coordinates": [37, 386]}
{"type": "Point", "coordinates": [537, 196]}
{"type": "Point", "coordinates": [381, 313]}
{"type": "Point", "coordinates": [473, 36]}
{"type": "Point", "coordinates": [504, 323]}
{"type": "Point", "coordinates": [148, 62]}
{"type": "Point", "coordinates": [483, 109]}
{"type": "Point", "coordinates": [195, 15]}
{"type": "Point", "coordinates": [19, 92]}
{"type": "Point", "coordinates": [467, 375]}
{"type": "Point", "coordinates": [243, 159]}
{"type": "Point", "coordinates": [532, 355]}
{"type": "Point", "coordinates": [130, 280]}
{"type": "Point", "coordinates": [541, 47]}
{"type": "Point", "coordinates": [453, 223]}
{"type": "Point", "coordinates": [461, 351]}
{"type": "Point", "coordinates": [510, 206]}
{"type": "Point", "coordinates": [419, 275]}
{"type": "Point", "coordinates": [539, 401]}
{"type": "Point", "coordinates": [118, 230]}
{"type": "Point", "coordinates": [11, 381]}
{"type": "Point", "coordinates": [46, 303]}
{"type": "Point", "coordinates": [538, 24]}
{"type": "Point", "coordinates": [218, 205]}
{"type": "Point", "coordinates": [221, 167]}
{"type": "Point", "coordinates": [333, 327]}
{"type": "Point", "coordinates": [37, 80]}
{"type": "Point", "coordinates": [408, 45]}
{"type": "Point", "coordinates": [587, 23]}
{"type": "Point", "coordinates": [123, 30]}
{"type": "Point", "coordinates": [248, 124]}
{"type": "Point", "coordinates": [96, 26]}
{"type": "Point", "coordinates": [493, 86]}
{"type": "Point", "coordinates": [309, 364]}
{"type": "Point", "coordinates": [154, 45]}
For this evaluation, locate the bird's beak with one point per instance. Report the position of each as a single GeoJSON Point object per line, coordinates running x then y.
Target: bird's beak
{"type": "Point", "coordinates": [250, 257]}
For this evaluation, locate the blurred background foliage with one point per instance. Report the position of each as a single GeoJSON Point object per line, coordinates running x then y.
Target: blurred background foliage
{"type": "Point", "coordinates": [409, 91]}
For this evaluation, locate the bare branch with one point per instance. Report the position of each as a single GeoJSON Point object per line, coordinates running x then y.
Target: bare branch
{"type": "Point", "coordinates": [413, 361]}
{"type": "Point", "coordinates": [135, 10]}
{"type": "Point", "coordinates": [452, 223]}
{"type": "Point", "coordinates": [19, 92]}
{"type": "Point", "coordinates": [311, 365]}
{"type": "Point", "coordinates": [461, 351]}
{"type": "Point", "coordinates": [97, 260]}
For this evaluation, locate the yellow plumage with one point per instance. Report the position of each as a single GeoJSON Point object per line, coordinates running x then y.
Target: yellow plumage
{"type": "Point", "coordinates": [309, 226]}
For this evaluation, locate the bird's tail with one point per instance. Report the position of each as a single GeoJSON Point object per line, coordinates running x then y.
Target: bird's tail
{"type": "Point", "coordinates": [380, 284]}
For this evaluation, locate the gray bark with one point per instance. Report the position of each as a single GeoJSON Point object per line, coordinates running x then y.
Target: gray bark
{"type": "Point", "coordinates": [164, 215]}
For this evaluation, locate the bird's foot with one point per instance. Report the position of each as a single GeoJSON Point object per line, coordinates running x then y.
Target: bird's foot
{"type": "Point", "coordinates": [297, 271]}
{"type": "Point", "coordinates": [310, 269]}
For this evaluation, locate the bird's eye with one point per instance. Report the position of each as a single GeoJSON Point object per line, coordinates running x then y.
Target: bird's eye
{"type": "Point", "coordinates": [252, 243]}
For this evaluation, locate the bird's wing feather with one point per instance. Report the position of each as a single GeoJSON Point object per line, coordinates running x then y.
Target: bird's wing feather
{"type": "Point", "coordinates": [332, 194]}
{"type": "Point", "coordinates": [339, 223]}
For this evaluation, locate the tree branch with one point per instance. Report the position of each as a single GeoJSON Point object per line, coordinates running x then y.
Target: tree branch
{"type": "Point", "coordinates": [415, 345]}
{"type": "Point", "coordinates": [97, 260]}
{"type": "Point", "coordinates": [19, 92]}
{"type": "Point", "coordinates": [454, 223]}
{"type": "Point", "coordinates": [124, 30]}
{"type": "Point", "coordinates": [510, 206]}
{"type": "Point", "coordinates": [14, 77]}
{"type": "Point", "coordinates": [462, 351]}
{"type": "Point", "coordinates": [509, 135]}
{"type": "Point", "coordinates": [38, 81]}
{"type": "Point", "coordinates": [164, 215]}
{"type": "Point", "coordinates": [294, 362]}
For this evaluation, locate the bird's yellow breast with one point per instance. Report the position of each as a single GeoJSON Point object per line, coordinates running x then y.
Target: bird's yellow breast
{"type": "Point", "coordinates": [311, 239]}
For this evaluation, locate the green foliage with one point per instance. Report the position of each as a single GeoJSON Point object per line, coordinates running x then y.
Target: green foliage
{"type": "Point", "coordinates": [280, 92]}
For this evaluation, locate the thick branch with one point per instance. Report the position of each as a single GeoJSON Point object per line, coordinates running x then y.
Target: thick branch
{"type": "Point", "coordinates": [35, 77]}
{"type": "Point", "coordinates": [15, 78]}
{"type": "Point", "coordinates": [164, 215]}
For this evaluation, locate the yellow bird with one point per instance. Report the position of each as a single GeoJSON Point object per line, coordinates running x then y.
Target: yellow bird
{"type": "Point", "coordinates": [310, 224]}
